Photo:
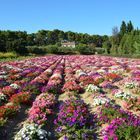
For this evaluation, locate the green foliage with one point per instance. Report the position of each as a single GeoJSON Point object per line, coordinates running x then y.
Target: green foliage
{"type": "Point", "coordinates": [3, 121]}
{"type": "Point", "coordinates": [123, 28]}
{"type": "Point", "coordinates": [35, 50]}
{"type": "Point", "coordinates": [123, 42]}
{"type": "Point", "coordinates": [66, 50]}
{"type": "Point", "coordinates": [112, 113]}
{"type": "Point", "coordinates": [51, 49]}
{"type": "Point", "coordinates": [128, 132]}
{"type": "Point", "coordinates": [8, 55]}
{"type": "Point", "coordinates": [136, 45]}
{"type": "Point", "coordinates": [130, 27]}
{"type": "Point", "coordinates": [85, 49]}
{"type": "Point", "coordinates": [107, 46]}
{"type": "Point", "coordinates": [130, 43]}
{"type": "Point", "coordinates": [79, 134]}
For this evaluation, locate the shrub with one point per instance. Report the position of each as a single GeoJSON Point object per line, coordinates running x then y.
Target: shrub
{"type": "Point", "coordinates": [66, 50]}
{"type": "Point", "coordinates": [35, 50]}
{"type": "Point", "coordinates": [52, 49]}
{"type": "Point", "coordinates": [85, 49]}
{"type": "Point", "coordinates": [8, 55]}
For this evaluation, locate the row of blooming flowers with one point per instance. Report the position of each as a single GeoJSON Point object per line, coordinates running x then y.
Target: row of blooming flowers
{"type": "Point", "coordinates": [115, 80]}
{"type": "Point", "coordinates": [42, 106]}
{"type": "Point", "coordinates": [113, 84]}
{"type": "Point", "coordinates": [37, 117]}
{"type": "Point", "coordinates": [110, 75]}
{"type": "Point", "coordinates": [16, 94]}
{"type": "Point", "coordinates": [55, 81]}
{"type": "Point", "coordinates": [17, 85]}
{"type": "Point", "coordinates": [70, 84]}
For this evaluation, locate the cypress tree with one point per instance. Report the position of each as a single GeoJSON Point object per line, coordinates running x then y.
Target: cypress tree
{"type": "Point", "coordinates": [123, 28]}
{"type": "Point", "coordinates": [130, 26]}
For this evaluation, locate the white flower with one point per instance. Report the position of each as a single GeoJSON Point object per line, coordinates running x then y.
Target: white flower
{"type": "Point", "coordinates": [41, 137]}
{"type": "Point", "coordinates": [92, 88]}
{"type": "Point", "coordinates": [2, 72]}
{"type": "Point", "coordinates": [3, 97]}
{"type": "Point", "coordinates": [49, 71]}
{"type": "Point", "coordinates": [31, 130]}
{"type": "Point", "coordinates": [131, 85]}
{"type": "Point", "coordinates": [57, 75]}
{"type": "Point", "coordinates": [15, 86]}
{"type": "Point", "coordinates": [100, 100]}
{"type": "Point", "coordinates": [80, 73]}
{"type": "Point", "coordinates": [101, 71]}
{"type": "Point", "coordinates": [123, 95]}
{"type": "Point", "coordinates": [3, 76]}
{"type": "Point", "coordinates": [27, 138]}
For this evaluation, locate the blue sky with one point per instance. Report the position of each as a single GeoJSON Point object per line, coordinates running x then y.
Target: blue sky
{"type": "Point", "coordinates": [86, 16]}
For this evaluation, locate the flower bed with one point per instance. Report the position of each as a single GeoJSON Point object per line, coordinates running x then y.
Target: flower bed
{"type": "Point", "coordinates": [74, 120]}
{"type": "Point", "coordinates": [113, 84]}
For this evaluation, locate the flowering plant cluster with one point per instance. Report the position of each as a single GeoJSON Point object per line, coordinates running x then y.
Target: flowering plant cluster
{"type": "Point", "coordinates": [92, 88]}
{"type": "Point", "coordinates": [44, 76]}
{"type": "Point", "coordinates": [3, 79]}
{"type": "Point", "coordinates": [100, 100]}
{"type": "Point", "coordinates": [116, 70]}
{"type": "Point", "coordinates": [131, 85]}
{"type": "Point", "coordinates": [31, 131]}
{"type": "Point", "coordinates": [74, 120]}
{"type": "Point", "coordinates": [55, 80]}
{"type": "Point", "coordinates": [122, 129]}
{"type": "Point", "coordinates": [123, 95]}
{"type": "Point", "coordinates": [109, 112]}
{"type": "Point", "coordinates": [107, 85]}
{"type": "Point", "coordinates": [98, 78]}
{"type": "Point", "coordinates": [3, 98]}
{"type": "Point", "coordinates": [136, 75]}
{"type": "Point", "coordinates": [113, 77]}
{"type": "Point", "coordinates": [132, 104]}
{"type": "Point", "coordinates": [8, 90]}
{"type": "Point", "coordinates": [15, 86]}
{"type": "Point", "coordinates": [41, 108]}
{"type": "Point", "coordinates": [71, 86]}
{"type": "Point", "coordinates": [80, 73]}
{"type": "Point", "coordinates": [8, 110]}
{"type": "Point", "coordinates": [86, 80]}
{"type": "Point", "coordinates": [22, 97]}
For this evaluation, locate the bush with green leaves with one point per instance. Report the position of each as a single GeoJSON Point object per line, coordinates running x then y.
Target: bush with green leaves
{"type": "Point", "coordinates": [85, 49]}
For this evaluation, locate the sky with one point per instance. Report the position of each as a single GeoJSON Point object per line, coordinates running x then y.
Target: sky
{"type": "Point", "coordinates": [84, 16]}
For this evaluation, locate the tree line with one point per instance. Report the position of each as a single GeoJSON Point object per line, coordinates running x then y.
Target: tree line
{"type": "Point", "coordinates": [124, 40]}
{"type": "Point", "coordinates": [18, 40]}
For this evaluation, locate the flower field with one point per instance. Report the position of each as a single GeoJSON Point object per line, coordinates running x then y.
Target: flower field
{"type": "Point", "coordinates": [70, 98]}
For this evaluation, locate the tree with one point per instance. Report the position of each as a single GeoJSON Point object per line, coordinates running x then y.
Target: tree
{"type": "Point", "coordinates": [41, 38]}
{"type": "Point", "coordinates": [107, 46]}
{"type": "Point", "coordinates": [115, 40]}
{"type": "Point", "coordinates": [123, 28]}
{"type": "Point", "coordinates": [130, 27]}
{"type": "Point", "coordinates": [137, 47]}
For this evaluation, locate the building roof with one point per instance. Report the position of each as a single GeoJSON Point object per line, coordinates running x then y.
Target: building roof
{"type": "Point", "coordinates": [68, 43]}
